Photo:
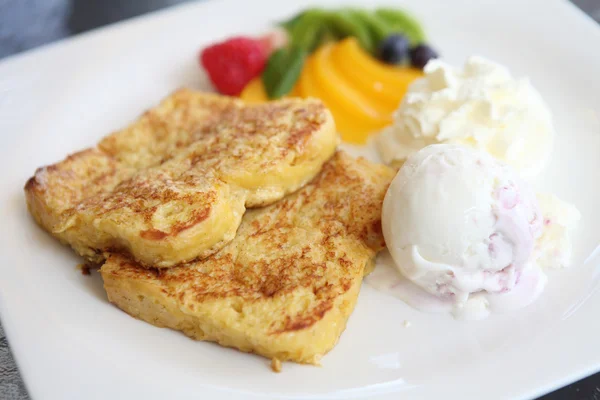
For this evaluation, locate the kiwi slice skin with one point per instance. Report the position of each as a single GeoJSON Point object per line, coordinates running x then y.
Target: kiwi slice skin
{"type": "Point", "coordinates": [311, 28]}
{"type": "Point", "coordinates": [402, 22]}
{"type": "Point", "coordinates": [308, 29]}
{"type": "Point", "coordinates": [377, 27]}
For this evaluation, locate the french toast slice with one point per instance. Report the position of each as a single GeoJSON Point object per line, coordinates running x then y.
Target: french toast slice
{"type": "Point", "coordinates": [173, 186]}
{"type": "Point", "coordinates": [285, 286]}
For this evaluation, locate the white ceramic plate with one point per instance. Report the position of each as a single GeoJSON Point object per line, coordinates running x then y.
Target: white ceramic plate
{"type": "Point", "coordinates": [70, 343]}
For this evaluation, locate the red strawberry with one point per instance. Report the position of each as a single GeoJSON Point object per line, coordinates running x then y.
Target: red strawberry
{"type": "Point", "coordinates": [233, 63]}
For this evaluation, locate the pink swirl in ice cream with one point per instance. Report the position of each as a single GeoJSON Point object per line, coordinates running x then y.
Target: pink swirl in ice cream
{"type": "Point", "coordinates": [518, 225]}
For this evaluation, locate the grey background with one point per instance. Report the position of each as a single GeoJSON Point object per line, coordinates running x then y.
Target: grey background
{"type": "Point", "coordinates": [25, 24]}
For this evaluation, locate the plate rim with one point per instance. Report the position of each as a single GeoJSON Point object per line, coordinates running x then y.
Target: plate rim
{"type": "Point", "coordinates": [10, 321]}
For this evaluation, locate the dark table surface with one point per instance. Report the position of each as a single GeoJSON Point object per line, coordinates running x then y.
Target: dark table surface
{"type": "Point", "coordinates": [25, 24]}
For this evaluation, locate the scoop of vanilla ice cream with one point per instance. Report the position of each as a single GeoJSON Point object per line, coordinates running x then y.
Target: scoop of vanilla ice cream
{"type": "Point", "coordinates": [481, 105]}
{"type": "Point", "coordinates": [457, 222]}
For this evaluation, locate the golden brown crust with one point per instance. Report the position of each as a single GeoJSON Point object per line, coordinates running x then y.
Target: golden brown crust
{"type": "Point", "coordinates": [285, 286]}
{"type": "Point", "coordinates": [173, 186]}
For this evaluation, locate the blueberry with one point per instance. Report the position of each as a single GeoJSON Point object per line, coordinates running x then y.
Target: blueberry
{"type": "Point", "coordinates": [421, 54]}
{"type": "Point", "coordinates": [394, 49]}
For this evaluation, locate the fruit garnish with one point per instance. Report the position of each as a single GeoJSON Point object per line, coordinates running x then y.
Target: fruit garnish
{"type": "Point", "coordinates": [378, 27]}
{"type": "Point", "coordinates": [376, 79]}
{"type": "Point", "coordinates": [421, 54]}
{"type": "Point", "coordinates": [356, 61]}
{"type": "Point", "coordinates": [341, 91]}
{"type": "Point", "coordinates": [290, 23]}
{"type": "Point", "coordinates": [402, 22]}
{"type": "Point", "coordinates": [233, 63]}
{"type": "Point", "coordinates": [308, 29]}
{"type": "Point", "coordinates": [254, 92]}
{"type": "Point", "coordinates": [348, 126]}
{"type": "Point", "coordinates": [282, 71]}
{"type": "Point", "coordinates": [394, 49]}
{"type": "Point", "coordinates": [360, 91]}
{"type": "Point", "coordinates": [347, 23]}
{"type": "Point", "coordinates": [387, 32]}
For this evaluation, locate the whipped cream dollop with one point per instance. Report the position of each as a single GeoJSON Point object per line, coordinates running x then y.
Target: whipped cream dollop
{"type": "Point", "coordinates": [468, 235]}
{"type": "Point", "coordinates": [482, 106]}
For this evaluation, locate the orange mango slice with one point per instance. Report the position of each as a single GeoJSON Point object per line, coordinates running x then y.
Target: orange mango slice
{"type": "Point", "coordinates": [343, 92]}
{"type": "Point", "coordinates": [351, 129]}
{"type": "Point", "coordinates": [375, 78]}
{"type": "Point", "coordinates": [254, 92]}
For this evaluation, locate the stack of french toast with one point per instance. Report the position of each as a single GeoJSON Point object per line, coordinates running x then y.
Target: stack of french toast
{"type": "Point", "coordinates": [238, 224]}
